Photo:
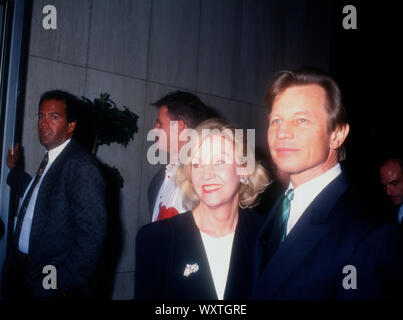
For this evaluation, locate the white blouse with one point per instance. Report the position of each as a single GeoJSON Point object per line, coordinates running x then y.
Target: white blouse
{"type": "Point", "coordinates": [218, 251]}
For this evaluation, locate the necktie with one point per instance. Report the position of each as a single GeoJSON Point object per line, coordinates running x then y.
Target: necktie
{"type": "Point", "coordinates": [285, 212]}
{"type": "Point", "coordinates": [23, 209]}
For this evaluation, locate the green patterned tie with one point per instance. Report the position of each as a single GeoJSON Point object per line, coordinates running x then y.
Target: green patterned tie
{"type": "Point", "coordinates": [285, 212]}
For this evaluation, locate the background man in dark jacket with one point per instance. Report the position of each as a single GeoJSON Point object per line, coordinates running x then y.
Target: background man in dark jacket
{"type": "Point", "coordinates": [61, 221]}
{"type": "Point", "coordinates": [391, 175]}
{"type": "Point", "coordinates": [164, 197]}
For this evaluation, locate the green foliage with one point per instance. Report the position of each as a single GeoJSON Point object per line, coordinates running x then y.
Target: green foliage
{"type": "Point", "coordinates": [109, 123]}
{"type": "Point", "coordinates": [101, 122]}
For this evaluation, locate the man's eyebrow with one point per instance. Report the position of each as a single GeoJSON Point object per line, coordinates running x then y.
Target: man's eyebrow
{"type": "Point", "coordinates": [271, 115]}
{"type": "Point", "coordinates": [390, 182]}
{"type": "Point", "coordinates": [302, 113]}
{"type": "Point", "coordinates": [50, 113]}
{"type": "Point", "coordinates": [298, 113]}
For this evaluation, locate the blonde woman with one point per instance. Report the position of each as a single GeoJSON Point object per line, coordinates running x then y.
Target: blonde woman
{"type": "Point", "coordinates": [207, 252]}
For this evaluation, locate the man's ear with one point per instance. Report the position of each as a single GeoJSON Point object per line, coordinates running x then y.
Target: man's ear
{"type": "Point", "coordinates": [181, 125]}
{"type": "Point", "coordinates": [71, 126]}
{"type": "Point", "coordinates": [338, 136]}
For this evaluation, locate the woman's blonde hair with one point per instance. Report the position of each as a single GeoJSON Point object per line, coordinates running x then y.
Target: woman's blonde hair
{"type": "Point", "coordinates": [256, 183]}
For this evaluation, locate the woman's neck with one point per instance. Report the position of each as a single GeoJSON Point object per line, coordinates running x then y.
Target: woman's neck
{"type": "Point", "coordinates": [217, 221]}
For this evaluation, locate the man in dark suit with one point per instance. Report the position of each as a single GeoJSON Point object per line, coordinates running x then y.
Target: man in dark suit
{"type": "Point", "coordinates": [164, 198]}
{"type": "Point", "coordinates": [61, 223]}
{"type": "Point", "coordinates": [391, 175]}
{"type": "Point", "coordinates": [318, 241]}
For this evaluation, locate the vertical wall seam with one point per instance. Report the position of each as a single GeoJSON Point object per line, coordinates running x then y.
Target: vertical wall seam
{"type": "Point", "coordinates": [88, 50]}
{"type": "Point", "coordinates": [198, 49]}
{"type": "Point", "coordinates": [145, 106]}
{"type": "Point", "coordinates": [237, 56]}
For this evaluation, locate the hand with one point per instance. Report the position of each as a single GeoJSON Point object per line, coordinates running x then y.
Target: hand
{"type": "Point", "coordinates": [13, 156]}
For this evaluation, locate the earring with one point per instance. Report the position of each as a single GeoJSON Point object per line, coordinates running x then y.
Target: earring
{"type": "Point", "coordinates": [244, 180]}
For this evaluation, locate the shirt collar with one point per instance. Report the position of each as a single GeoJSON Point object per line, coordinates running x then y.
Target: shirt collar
{"type": "Point", "coordinates": [400, 214]}
{"type": "Point", "coordinates": [306, 192]}
{"type": "Point", "coordinates": [171, 168]}
{"type": "Point", "coordinates": [54, 153]}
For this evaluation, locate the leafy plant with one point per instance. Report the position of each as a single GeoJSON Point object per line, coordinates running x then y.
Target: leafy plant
{"type": "Point", "coordinates": [108, 123]}
{"type": "Point", "coordinates": [101, 122]}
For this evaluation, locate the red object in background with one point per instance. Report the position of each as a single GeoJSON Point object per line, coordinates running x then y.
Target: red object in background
{"type": "Point", "coordinates": [166, 213]}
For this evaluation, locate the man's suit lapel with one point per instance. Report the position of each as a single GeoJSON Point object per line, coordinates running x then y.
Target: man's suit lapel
{"type": "Point", "coordinates": [299, 242]}
{"type": "Point", "coordinates": [267, 241]}
{"type": "Point", "coordinates": [154, 188]}
{"type": "Point", "coordinates": [310, 229]}
{"type": "Point", "coordinates": [45, 196]}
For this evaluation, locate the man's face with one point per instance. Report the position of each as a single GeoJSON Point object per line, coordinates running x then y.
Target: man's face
{"type": "Point", "coordinates": [53, 128]}
{"type": "Point", "coordinates": [298, 136]}
{"type": "Point", "coordinates": [392, 180]}
{"type": "Point", "coordinates": [163, 120]}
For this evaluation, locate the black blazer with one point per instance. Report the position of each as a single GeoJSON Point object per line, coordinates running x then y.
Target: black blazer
{"type": "Point", "coordinates": [69, 222]}
{"type": "Point", "coordinates": [332, 232]}
{"type": "Point", "coordinates": [1, 229]}
{"type": "Point", "coordinates": [154, 188]}
{"type": "Point", "coordinates": [164, 248]}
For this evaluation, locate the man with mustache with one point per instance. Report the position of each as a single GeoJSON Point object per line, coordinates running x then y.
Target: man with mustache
{"type": "Point", "coordinates": [61, 220]}
{"type": "Point", "coordinates": [318, 241]}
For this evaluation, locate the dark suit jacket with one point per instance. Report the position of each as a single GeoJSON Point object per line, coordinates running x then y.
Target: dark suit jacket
{"type": "Point", "coordinates": [332, 232]}
{"type": "Point", "coordinates": [69, 222]}
{"type": "Point", "coordinates": [164, 248]}
{"type": "Point", "coordinates": [154, 188]}
{"type": "Point", "coordinates": [1, 229]}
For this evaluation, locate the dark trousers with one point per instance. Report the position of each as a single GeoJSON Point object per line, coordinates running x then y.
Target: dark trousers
{"type": "Point", "coordinates": [14, 285]}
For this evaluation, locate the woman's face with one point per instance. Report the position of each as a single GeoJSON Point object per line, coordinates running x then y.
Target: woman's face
{"type": "Point", "coordinates": [214, 176]}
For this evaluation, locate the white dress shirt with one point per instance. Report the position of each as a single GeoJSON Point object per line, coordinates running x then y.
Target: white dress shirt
{"type": "Point", "coordinates": [23, 243]}
{"type": "Point", "coordinates": [400, 214]}
{"type": "Point", "coordinates": [169, 195]}
{"type": "Point", "coordinates": [307, 192]}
